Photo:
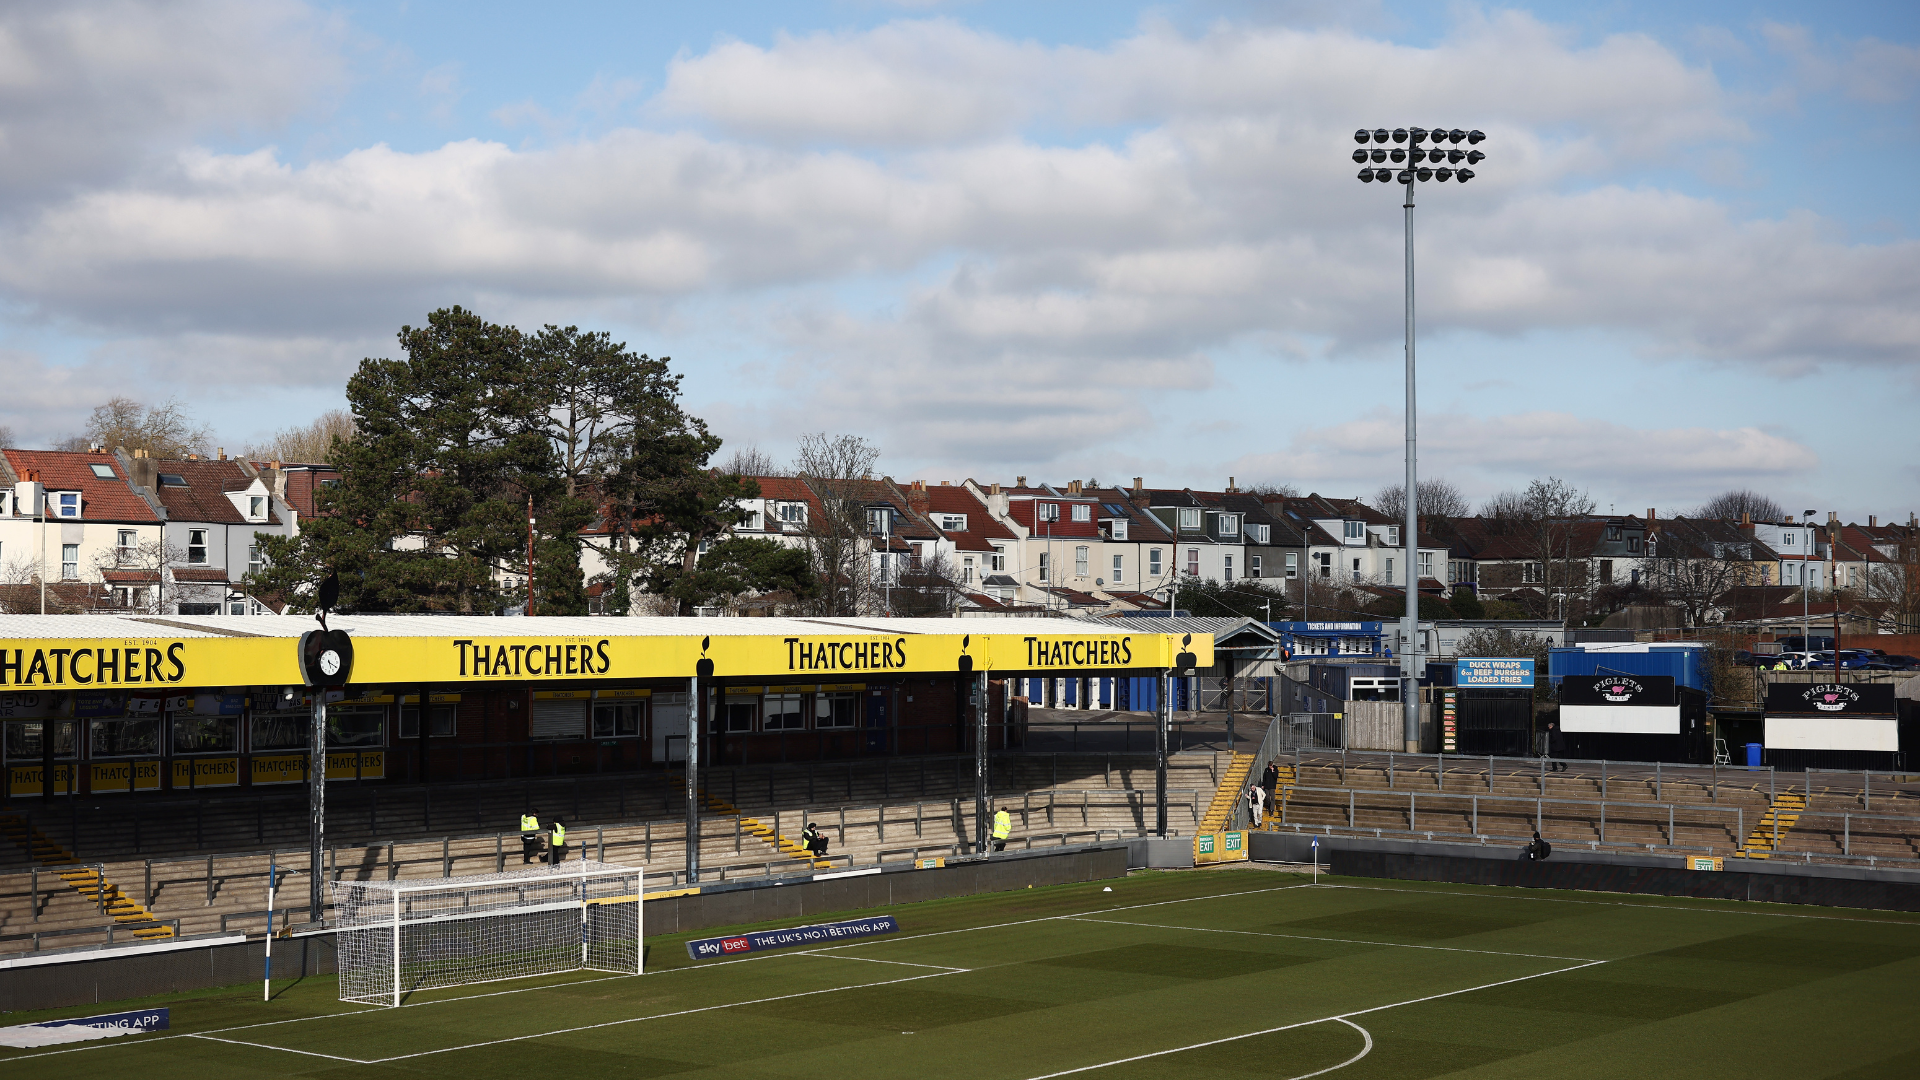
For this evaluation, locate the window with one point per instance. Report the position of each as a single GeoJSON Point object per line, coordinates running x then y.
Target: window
{"type": "Point", "coordinates": [879, 519]}
{"type": "Point", "coordinates": [1355, 530]}
{"type": "Point", "coordinates": [1082, 512]}
{"type": "Point", "coordinates": [966, 570]}
{"type": "Point", "coordinates": [1049, 512]}
{"type": "Point", "coordinates": [782, 713]}
{"type": "Point", "coordinates": [1615, 532]}
{"type": "Point", "coordinates": [257, 507]}
{"type": "Point", "coordinates": [1393, 536]}
{"type": "Point", "coordinates": [1426, 564]}
{"type": "Point", "coordinates": [1633, 545]}
{"type": "Point", "coordinates": [1356, 569]}
{"type": "Point", "coordinates": [751, 521]}
{"type": "Point", "coordinates": [740, 713]}
{"type": "Point", "coordinates": [104, 472]}
{"type": "Point", "coordinates": [1153, 562]}
{"type": "Point", "coordinates": [953, 522]}
{"type": "Point", "coordinates": [1606, 571]}
{"type": "Point", "coordinates": [1193, 561]}
{"type": "Point", "coordinates": [125, 738]}
{"type": "Point", "coordinates": [1119, 570]}
{"type": "Point", "coordinates": [256, 562]}
{"type": "Point", "coordinates": [129, 596]}
{"type": "Point", "coordinates": [199, 609]}
{"type": "Point", "coordinates": [1293, 564]}
{"type": "Point", "coordinates": [66, 504]}
{"type": "Point", "coordinates": [1530, 573]}
{"type": "Point", "coordinates": [835, 710]}
{"type": "Point", "coordinates": [1080, 555]}
{"type": "Point", "coordinates": [793, 513]}
{"type": "Point", "coordinates": [1190, 518]}
{"type": "Point", "coordinates": [1260, 534]}
{"type": "Point", "coordinates": [168, 479]}
{"type": "Point", "coordinates": [1325, 559]}
{"type": "Point", "coordinates": [1786, 538]}
{"type": "Point", "coordinates": [1043, 566]}
{"type": "Point", "coordinates": [999, 559]}
{"type": "Point", "coordinates": [69, 562]}
{"type": "Point", "coordinates": [236, 605]}
{"type": "Point", "coordinates": [1389, 571]}
{"type": "Point", "coordinates": [207, 734]}
{"type": "Point", "coordinates": [916, 550]}
{"type": "Point", "coordinates": [1253, 566]}
{"type": "Point", "coordinates": [439, 721]}
{"type": "Point", "coordinates": [196, 546]}
{"type": "Point", "coordinates": [128, 547]}
{"type": "Point", "coordinates": [1117, 529]}
{"type": "Point", "coordinates": [1226, 568]}
{"type": "Point", "coordinates": [1229, 524]}
{"type": "Point", "coordinates": [613, 721]}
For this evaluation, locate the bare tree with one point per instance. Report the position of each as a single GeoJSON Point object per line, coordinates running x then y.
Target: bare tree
{"type": "Point", "coordinates": [750, 460]}
{"type": "Point", "coordinates": [6, 436]}
{"type": "Point", "coordinates": [1267, 489]}
{"type": "Point", "coordinates": [927, 588]}
{"type": "Point", "coordinates": [834, 467]}
{"type": "Point", "coordinates": [148, 590]}
{"type": "Point", "coordinates": [1740, 503]}
{"type": "Point", "coordinates": [1437, 497]}
{"type": "Point", "coordinates": [163, 431]}
{"type": "Point", "coordinates": [1544, 522]}
{"type": "Point", "coordinates": [1692, 565]}
{"type": "Point", "coordinates": [306, 444]}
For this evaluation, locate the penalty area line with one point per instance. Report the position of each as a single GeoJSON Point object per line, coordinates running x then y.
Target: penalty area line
{"type": "Point", "coordinates": [1336, 940]}
{"type": "Point", "coordinates": [1339, 1017]}
{"type": "Point", "coordinates": [287, 1049]}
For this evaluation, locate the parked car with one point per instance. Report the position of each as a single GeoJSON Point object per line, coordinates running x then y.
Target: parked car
{"type": "Point", "coordinates": [1895, 662]}
{"type": "Point", "coordinates": [1850, 660]}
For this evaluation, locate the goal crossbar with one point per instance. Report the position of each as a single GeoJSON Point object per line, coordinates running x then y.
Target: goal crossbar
{"type": "Point", "coordinates": [413, 934]}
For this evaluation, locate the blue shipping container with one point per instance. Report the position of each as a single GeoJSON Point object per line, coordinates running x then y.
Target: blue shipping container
{"type": "Point", "coordinates": [1687, 664]}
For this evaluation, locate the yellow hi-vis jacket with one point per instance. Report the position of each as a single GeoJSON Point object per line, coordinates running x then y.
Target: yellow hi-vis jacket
{"type": "Point", "coordinates": [529, 823]}
{"type": "Point", "coordinates": [1002, 825]}
{"type": "Point", "coordinates": [559, 835]}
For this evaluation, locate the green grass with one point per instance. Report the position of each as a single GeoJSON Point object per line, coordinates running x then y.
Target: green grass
{"type": "Point", "coordinates": [1227, 974]}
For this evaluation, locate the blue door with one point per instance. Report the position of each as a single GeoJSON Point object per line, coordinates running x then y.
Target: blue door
{"type": "Point", "coordinates": [876, 721]}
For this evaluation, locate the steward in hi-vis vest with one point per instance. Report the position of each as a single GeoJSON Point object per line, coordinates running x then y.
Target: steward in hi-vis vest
{"type": "Point", "coordinates": [558, 842]}
{"type": "Point", "coordinates": [1002, 828]}
{"type": "Point", "coordinates": [529, 836]}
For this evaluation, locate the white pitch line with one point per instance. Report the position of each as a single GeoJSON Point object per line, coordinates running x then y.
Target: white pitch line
{"type": "Point", "coordinates": [1622, 903]}
{"type": "Point", "coordinates": [1342, 941]}
{"type": "Point", "coordinates": [656, 1016]}
{"type": "Point", "coordinates": [270, 1046]}
{"type": "Point", "coordinates": [1341, 1017]}
{"type": "Point", "coordinates": [1365, 1049]}
{"type": "Point", "coordinates": [902, 963]}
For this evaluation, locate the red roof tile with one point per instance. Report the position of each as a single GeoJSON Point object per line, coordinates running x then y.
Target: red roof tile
{"type": "Point", "coordinates": [101, 499]}
{"type": "Point", "coordinates": [204, 498]}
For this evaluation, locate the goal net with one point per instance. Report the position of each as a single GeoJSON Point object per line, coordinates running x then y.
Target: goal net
{"type": "Point", "coordinates": [397, 937]}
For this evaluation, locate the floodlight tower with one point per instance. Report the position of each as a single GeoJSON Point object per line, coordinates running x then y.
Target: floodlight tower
{"type": "Point", "coordinates": [1403, 146]}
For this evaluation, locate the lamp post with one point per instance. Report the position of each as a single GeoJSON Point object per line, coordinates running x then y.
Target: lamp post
{"type": "Point", "coordinates": [1403, 146]}
{"type": "Point", "coordinates": [1806, 563]}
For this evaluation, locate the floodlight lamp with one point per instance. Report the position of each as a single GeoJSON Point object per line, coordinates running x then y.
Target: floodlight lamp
{"type": "Point", "coordinates": [1425, 175]}
{"type": "Point", "coordinates": [1398, 154]}
{"type": "Point", "coordinates": [1476, 136]}
{"type": "Point", "coordinates": [1359, 156]}
{"type": "Point", "coordinates": [1463, 175]}
{"type": "Point", "coordinates": [1406, 176]}
{"type": "Point", "coordinates": [1366, 176]}
{"type": "Point", "coordinates": [1379, 154]}
{"type": "Point", "coordinates": [1399, 134]}
{"type": "Point", "coordinates": [1454, 157]}
{"type": "Point", "coordinates": [1362, 135]}
{"type": "Point", "coordinates": [1475, 157]}
{"type": "Point", "coordinates": [1456, 135]}
{"type": "Point", "coordinates": [1443, 174]}
{"type": "Point", "coordinates": [1418, 135]}
{"type": "Point", "coordinates": [1380, 135]}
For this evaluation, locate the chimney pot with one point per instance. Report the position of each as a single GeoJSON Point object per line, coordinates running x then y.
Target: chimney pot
{"type": "Point", "coordinates": [1872, 522]}
{"type": "Point", "coordinates": [1651, 516]}
{"type": "Point", "coordinates": [993, 489]}
{"type": "Point", "coordinates": [1230, 486]}
{"type": "Point", "coordinates": [1833, 517]}
{"type": "Point", "coordinates": [223, 453]}
{"type": "Point", "coordinates": [1138, 485]}
{"type": "Point", "coordinates": [1019, 481]}
{"type": "Point", "coordinates": [946, 483]}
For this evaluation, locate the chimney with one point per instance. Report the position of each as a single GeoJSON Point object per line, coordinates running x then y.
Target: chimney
{"type": "Point", "coordinates": [1833, 517]}
{"type": "Point", "coordinates": [1019, 481]}
{"type": "Point", "coordinates": [1651, 516]}
{"type": "Point", "coordinates": [1872, 522]}
{"type": "Point", "coordinates": [223, 453]}
{"type": "Point", "coordinates": [143, 472]}
{"type": "Point", "coordinates": [1138, 486]}
{"type": "Point", "coordinates": [1073, 487]}
{"type": "Point", "coordinates": [993, 489]}
{"type": "Point", "coordinates": [1746, 518]}
{"type": "Point", "coordinates": [1230, 486]}
{"type": "Point", "coordinates": [946, 483]}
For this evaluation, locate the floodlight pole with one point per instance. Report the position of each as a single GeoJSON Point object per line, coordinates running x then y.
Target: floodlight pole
{"type": "Point", "coordinates": [1413, 651]}
{"type": "Point", "coordinates": [981, 800]}
{"type": "Point", "coordinates": [695, 694]}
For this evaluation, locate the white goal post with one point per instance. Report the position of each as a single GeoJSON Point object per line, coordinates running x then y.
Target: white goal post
{"type": "Point", "coordinates": [396, 937]}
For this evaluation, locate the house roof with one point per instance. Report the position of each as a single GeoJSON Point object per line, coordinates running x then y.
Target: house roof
{"type": "Point", "coordinates": [210, 575]}
{"type": "Point", "coordinates": [204, 497]}
{"type": "Point", "coordinates": [303, 482]}
{"type": "Point", "coordinates": [982, 528]}
{"type": "Point", "coordinates": [101, 498]}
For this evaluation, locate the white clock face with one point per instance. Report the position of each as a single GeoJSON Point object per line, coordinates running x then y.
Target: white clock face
{"type": "Point", "coordinates": [330, 662]}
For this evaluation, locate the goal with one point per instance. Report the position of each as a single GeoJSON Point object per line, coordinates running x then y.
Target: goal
{"type": "Point", "coordinates": [397, 937]}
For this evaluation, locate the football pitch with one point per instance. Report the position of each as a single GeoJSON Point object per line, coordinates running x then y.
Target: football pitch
{"type": "Point", "coordinates": [1225, 973]}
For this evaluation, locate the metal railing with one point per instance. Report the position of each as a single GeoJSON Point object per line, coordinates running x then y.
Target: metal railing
{"type": "Point", "coordinates": [109, 930]}
{"type": "Point", "coordinates": [1538, 802]}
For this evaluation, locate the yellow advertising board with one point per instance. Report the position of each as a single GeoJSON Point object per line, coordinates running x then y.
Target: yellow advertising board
{"type": "Point", "coordinates": [196, 773]}
{"type": "Point", "coordinates": [383, 661]}
{"type": "Point", "coordinates": [108, 777]}
{"type": "Point", "coordinates": [292, 768]}
{"type": "Point", "coordinates": [24, 780]}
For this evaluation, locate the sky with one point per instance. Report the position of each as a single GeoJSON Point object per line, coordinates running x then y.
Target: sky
{"type": "Point", "coordinates": [1062, 240]}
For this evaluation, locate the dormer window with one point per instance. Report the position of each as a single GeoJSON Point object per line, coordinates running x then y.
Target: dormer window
{"type": "Point", "coordinates": [953, 522]}
{"type": "Point", "coordinates": [1259, 533]}
{"type": "Point", "coordinates": [103, 472]}
{"type": "Point", "coordinates": [66, 504]}
{"type": "Point", "coordinates": [1393, 536]}
{"type": "Point", "coordinates": [750, 520]}
{"type": "Point", "coordinates": [1786, 539]}
{"type": "Point", "coordinates": [1229, 524]}
{"type": "Point", "coordinates": [1118, 530]}
{"type": "Point", "coordinates": [1082, 512]}
{"type": "Point", "coordinates": [1355, 530]}
{"type": "Point", "coordinates": [1049, 511]}
{"type": "Point", "coordinates": [168, 479]}
{"type": "Point", "coordinates": [792, 513]}
{"type": "Point", "coordinates": [1189, 518]}
{"type": "Point", "coordinates": [257, 507]}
